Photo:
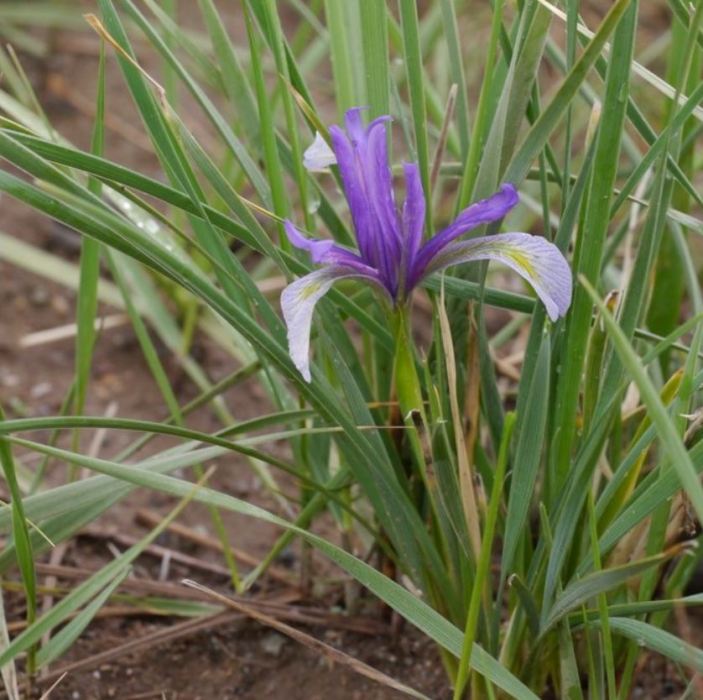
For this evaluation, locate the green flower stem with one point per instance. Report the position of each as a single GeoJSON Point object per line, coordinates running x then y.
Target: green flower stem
{"type": "Point", "coordinates": [407, 383]}
{"type": "Point", "coordinates": [410, 416]}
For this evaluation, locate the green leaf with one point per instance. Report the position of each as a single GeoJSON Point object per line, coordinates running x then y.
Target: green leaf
{"type": "Point", "coordinates": [526, 460]}
{"type": "Point", "coordinates": [374, 35]}
{"type": "Point", "coordinates": [582, 590]}
{"type": "Point", "coordinates": [660, 641]}
{"type": "Point", "coordinates": [61, 642]}
{"type": "Point", "coordinates": [671, 440]}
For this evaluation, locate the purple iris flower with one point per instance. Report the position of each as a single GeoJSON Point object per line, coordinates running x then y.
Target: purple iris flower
{"type": "Point", "coordinates": [391, 254]}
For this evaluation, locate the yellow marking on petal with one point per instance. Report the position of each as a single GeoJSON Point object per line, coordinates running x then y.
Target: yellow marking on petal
{"type": "Point", "coordinates": [524, 262]}
{"type": "Point", "coordinates": [309, 290]}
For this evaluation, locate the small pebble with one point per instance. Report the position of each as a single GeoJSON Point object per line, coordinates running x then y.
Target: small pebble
{"type": "Point", "coordinates": [9, 380]}
{"type": "Point", "coordinates": [40, 390]}
{"type": "Point", "coordinates": [39, 296]}
{"type": "Point", "coordinates": [272, 644]}
{"type": "Point", "coordinates": [60, 305]}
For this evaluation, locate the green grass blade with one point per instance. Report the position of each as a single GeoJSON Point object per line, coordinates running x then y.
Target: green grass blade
{"type": "Point", "coordinates": [579, 592]}
{"type": "Point", "coordinates": [61, 642]}
{"type": "Point", "coordinates": [233, 76]}
{"type": "Point", "coordinates": [590, 243]}
{"type": "Point", "coordinates": [409, 606]}
{"type": "Point", "coordinates": [267, 132]}
{"type": "Point", "coordinates": [374, 34]}
{"type": "Point", "coordinates": [669, 436]}
{"type": "Point", "coordinates": [340, 53]}
{"type": "Point", "coordinates": [540, 131]}
{"type": "Point", "coordinates": [456, 68]}
{"type": "Point", "coordinates": [660, 641]}
{"type": "Point", "coordinates": [414, 76]}
{"type": "Point", "coordinates": [528, 453]}
{"type": "Point", "coordinates": [87, 300]}
{"type": "Point", "coordinates": [21, 538]}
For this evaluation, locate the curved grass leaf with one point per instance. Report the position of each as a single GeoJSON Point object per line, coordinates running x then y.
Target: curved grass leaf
{"type": "Point", "coordinates": [660, 641]}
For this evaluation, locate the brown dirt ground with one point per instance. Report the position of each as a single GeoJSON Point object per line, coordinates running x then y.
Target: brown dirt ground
{"type": "Point", "coordinates": [240, 659]}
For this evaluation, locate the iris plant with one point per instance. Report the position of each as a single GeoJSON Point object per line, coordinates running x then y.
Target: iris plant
{"type": "Point", "coordinates": [391, 255]}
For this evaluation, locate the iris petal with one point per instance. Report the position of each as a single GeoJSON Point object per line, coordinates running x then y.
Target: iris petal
{"type": "Point", "coordinates": [325, 251]}
{"type": "Point", "coordinates": [362, 156]}
{"type": "Point", "coordinates": [379, 188]}
{"type": "Point", "coordinates": [298, 303]}
{"type": "Point", "coordinates": [354, 190]}
{"type": "Point", "coordinates": [413, 212]}
{"type": "Point", "coordinates": [318, 155]}
{"type": "Point", "coordinates": [534, 258]}
{"type": "Point", "coordinates": [355, 124]}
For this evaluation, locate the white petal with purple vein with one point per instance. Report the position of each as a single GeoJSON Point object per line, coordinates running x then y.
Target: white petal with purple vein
{"type": "Point", "coordinates": [534, 258]}
{"type": "Point", "coordinates": [298, 303]}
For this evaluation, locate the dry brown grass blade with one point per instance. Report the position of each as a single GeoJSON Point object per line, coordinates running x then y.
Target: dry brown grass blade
{"type": "Point", "coordinates": [279, 606]}
{"type": "Point", "coordinates": [106, 612]}
{"type": "Point", "coordinates": [161, 636]}
{"type": "Point", "coordinates": [442, 141]}
{"type": "Point", "coordinates": [135, 585]}
{"type": "Point", "coordinates": [466, 479]}
{"type": "Point", "coordinates": [307, 640]}
{"type": "Point", "coordinates": [56, 557]}
{"type": "Point", "coordinates": [157, 550]}
{"type": "Point", "coordinates": [47, 693]}
{"type": "Point", "coordinates": [102, 32]}
{"type": "Point", "coordinates": [68, 331]}
{"type": "Point", "coordinates": [149, 518]}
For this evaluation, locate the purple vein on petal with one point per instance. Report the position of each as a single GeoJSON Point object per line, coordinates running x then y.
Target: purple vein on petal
{"type": "Point", "coordinates": [534, 258]}
{"type": "Point", "coordinates": [298, 302]}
